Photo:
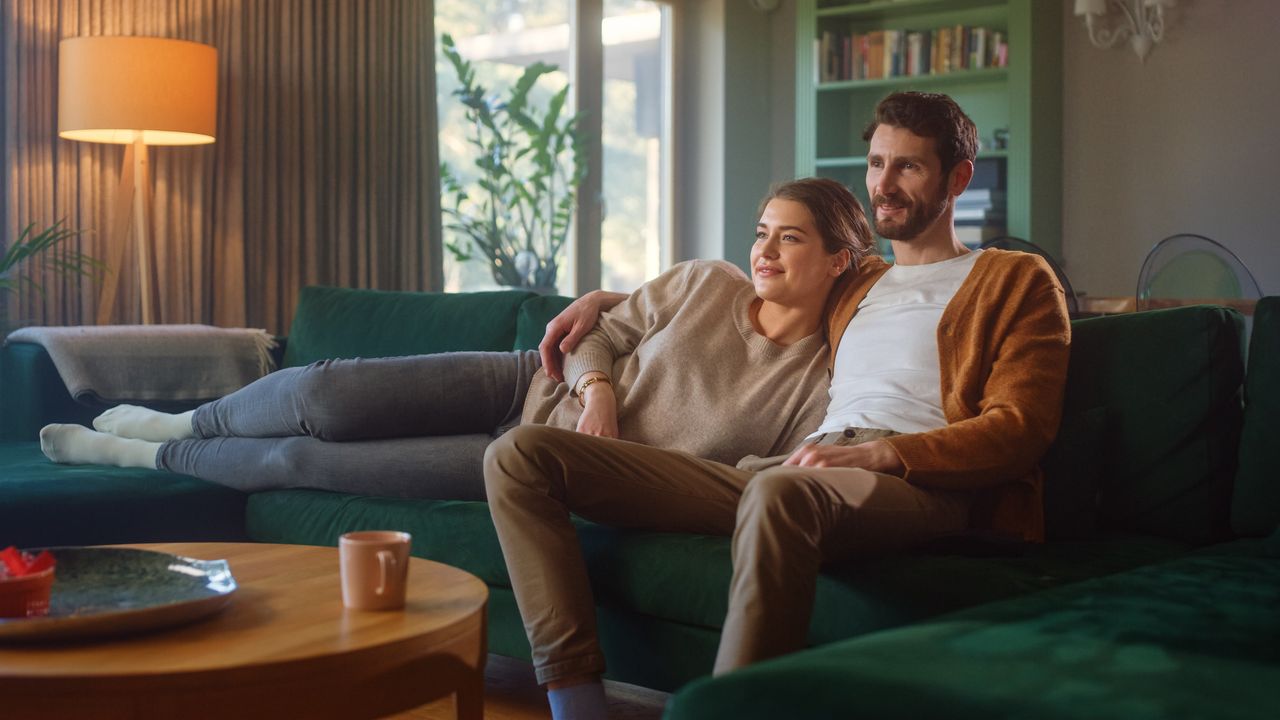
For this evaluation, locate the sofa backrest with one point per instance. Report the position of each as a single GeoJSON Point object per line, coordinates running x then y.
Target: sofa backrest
{"type": "Point", "coordinates": [1150, 427]}
{"type": "Point", "coordinates": [344, 323]}
{"type": "Point", "coordinates": [535, 313]}
{"type": "Point", "coordinates": [1255, 504]}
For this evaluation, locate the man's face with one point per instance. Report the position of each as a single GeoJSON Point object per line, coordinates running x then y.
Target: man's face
{"type": "Point", "coordinates": [905, 182]}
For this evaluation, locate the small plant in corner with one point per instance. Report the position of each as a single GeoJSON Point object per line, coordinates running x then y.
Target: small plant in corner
{"type": "Point", "coordinates": [516, 214]}
{"type": "Point", "coordinates": [35, 252]}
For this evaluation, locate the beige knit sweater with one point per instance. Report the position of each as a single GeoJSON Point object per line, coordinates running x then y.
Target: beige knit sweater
{"type": "Point", "coordinates": [691, 373]}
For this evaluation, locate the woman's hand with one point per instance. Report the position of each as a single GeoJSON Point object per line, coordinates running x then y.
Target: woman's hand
{"type": "Point", "coordinates": [566, 329]}
{"type": "Point", "coordinates": [600, 408]}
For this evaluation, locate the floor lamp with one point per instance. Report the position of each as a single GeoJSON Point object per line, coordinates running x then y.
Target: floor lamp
{"type": "Point", "coordinates": [136, 91]}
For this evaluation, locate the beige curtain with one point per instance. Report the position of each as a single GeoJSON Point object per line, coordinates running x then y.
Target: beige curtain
{"type": "Point", "coordinates": [323, 171]}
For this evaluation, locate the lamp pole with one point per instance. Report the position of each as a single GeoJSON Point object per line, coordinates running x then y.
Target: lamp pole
{"type": "Point", "coordinates": [133, 217]}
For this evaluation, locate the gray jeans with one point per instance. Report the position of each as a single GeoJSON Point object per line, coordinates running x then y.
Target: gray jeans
{"type": "Point", "coordinates": [395, 427]}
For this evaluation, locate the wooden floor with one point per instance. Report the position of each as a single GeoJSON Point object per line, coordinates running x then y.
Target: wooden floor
{"type": "Point", "coordinates": [512, 693]}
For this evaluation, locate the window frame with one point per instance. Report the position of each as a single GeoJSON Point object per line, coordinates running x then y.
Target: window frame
{"type": "Point", "coordinates": [583, 265]}
{"type": "Point", "coordinates": [587, 60]}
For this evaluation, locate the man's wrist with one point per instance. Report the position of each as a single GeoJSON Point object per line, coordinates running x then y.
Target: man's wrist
{"type": "Point", "coordinates": [887, 459]}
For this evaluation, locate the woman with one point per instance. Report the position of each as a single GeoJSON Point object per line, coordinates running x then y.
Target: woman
{"type": "Point", "coordinates": [699, 345]}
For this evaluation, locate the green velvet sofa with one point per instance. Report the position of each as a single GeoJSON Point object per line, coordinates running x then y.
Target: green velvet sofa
{"type": "Point", "coordinates": [1143, 476]}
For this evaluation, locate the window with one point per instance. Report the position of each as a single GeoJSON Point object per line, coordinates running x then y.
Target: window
{"type": "Point", "coordinates": [502, 37]}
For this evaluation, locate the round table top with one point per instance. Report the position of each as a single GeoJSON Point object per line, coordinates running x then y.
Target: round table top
{"type": "Point", "coordinates": [286, 617]}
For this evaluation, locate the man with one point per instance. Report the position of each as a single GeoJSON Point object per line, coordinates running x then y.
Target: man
{"type": "Point", "coordinates": [947, 377]}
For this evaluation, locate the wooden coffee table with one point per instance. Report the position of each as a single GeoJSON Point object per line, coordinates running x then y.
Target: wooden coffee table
{"type": "Point", "coordinates": [284, 648]}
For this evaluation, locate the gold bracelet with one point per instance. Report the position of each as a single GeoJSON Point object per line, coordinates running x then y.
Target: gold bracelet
{"type": "Point", "coordinates": [587, 383]}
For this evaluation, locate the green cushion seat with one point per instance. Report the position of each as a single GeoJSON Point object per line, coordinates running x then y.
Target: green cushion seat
{"type": "Point", "coordinates": [1194, 637]}
{"type": "Point", "coordinates": [685, 578]}
{"type": "Point", "coordinates": [46, 504]}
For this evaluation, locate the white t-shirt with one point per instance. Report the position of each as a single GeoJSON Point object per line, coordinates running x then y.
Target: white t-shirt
{"type": "Point", "coordinates": [886, 372]}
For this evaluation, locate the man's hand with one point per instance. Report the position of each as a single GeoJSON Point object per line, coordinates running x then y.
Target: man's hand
{"type": "Point", "coordinates": [566, 329]}
{"type": "Point", "coordinates": [600, 416]}
{"type": "Point", "coordinates": [876, 456]}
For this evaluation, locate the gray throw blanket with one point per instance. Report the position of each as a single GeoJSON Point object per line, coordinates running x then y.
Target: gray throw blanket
{"type": "Point", "coordinates": [121, 363]}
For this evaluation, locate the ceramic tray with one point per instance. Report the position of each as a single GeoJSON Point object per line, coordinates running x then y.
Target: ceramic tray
{"type": "Point", "coordinates": [111, 591]}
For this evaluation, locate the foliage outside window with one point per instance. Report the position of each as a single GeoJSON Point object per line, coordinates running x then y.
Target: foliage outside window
{"type": "Point", "coordinates": [503, 37]}
{"type": "Point", "coordinates": [517, 214]}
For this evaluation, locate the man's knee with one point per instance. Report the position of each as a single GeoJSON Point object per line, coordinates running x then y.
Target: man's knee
{"type": "Point", "coordinates": [783, 485]}
{"type": "Point", "coordinates": [779, 494]}
{"type": "Point", "coordinates": [497, 456]}
{"type": "Point", "coordinates": [519, 458]}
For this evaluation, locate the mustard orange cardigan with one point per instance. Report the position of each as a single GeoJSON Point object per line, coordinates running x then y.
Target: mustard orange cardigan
{"type": "Point", "coordinates": [1003, 344]}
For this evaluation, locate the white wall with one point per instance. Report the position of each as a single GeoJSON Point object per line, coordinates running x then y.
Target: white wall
{"type": "Point", "coordinates": [735, 77]}
{"type": "Point", "coordinates": [699, 127]}
{"type": "Point", "coordinates": [1187, 142]}
{"type": "Point", "coordinates": [752, 97]}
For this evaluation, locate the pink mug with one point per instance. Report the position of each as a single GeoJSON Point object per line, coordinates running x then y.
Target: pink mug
{"type": "Point", "coordinates": [374, 566]}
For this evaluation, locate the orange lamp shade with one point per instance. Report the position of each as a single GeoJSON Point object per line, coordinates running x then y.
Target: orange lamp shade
{"type": "Point", "coordinates": [110, 88]}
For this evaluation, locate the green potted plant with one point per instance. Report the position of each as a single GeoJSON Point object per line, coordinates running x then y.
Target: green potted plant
{"type": "Point", "coordinates": [516, 214]}
{"type": "Point", "coordinates": [42, 251]}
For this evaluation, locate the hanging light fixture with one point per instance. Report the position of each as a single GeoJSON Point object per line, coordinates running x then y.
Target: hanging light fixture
{"type": "Point", "coordinates": [1111, 22]}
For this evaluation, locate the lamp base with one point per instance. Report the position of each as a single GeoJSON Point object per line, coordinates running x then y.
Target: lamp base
{"type": "Point", "coordinates": [134, 210]}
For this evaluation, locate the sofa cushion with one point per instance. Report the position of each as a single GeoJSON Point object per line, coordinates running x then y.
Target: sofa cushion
{"type": "Point", "coordinates": [48, 504]}
{"type": "Point", "coordinates": [455, 532]}
{"type": "Point", "coordinates": [343, 323]}
{"type": "Point", "coordinates": [1255, 508]}
{"type": "Point", "coordinates": [685, 578]}
{"type": "Point", "coordinates": [897, 590]}
{"type": "Point", "coordinates": [1169, 381]}
{"type": "Point", "coordinates": [535, 313]}
{"type": "Point", "coordinates": [1073, 470]}
{"type": "Point", "coordinates": [1193, 637]}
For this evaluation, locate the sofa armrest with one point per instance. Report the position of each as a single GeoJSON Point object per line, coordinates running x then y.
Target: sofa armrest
{"type": "Point", "coordinates": [32, 394]}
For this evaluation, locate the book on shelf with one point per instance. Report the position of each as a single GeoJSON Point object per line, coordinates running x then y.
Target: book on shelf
{"type": "Point", "coordinates": [879, 54]}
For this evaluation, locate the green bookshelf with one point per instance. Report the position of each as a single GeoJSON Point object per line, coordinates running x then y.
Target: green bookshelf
{"type": "Point", "coordinates": [1023, 98]}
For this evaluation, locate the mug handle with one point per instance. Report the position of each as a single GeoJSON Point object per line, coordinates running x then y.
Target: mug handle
{"type": "Point", "coordinates": [386, 559]}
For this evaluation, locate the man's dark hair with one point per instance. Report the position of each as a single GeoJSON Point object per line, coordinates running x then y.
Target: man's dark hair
{"type": "Point", "coordinates": [931, 115]}
{"type": "Point", "coordinates": [837, 215]}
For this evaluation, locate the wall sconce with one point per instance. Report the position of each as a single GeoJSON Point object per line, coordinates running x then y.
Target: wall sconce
{"type": "Point", "coordinates": [1141, 21]}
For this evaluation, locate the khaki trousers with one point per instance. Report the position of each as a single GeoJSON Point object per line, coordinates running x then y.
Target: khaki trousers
{"type": "Point", "coordinates": [785, 521]}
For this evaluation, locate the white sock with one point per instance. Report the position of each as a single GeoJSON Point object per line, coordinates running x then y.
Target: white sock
{"type": "Point", "coordinates": [131, 421]}
{"type": "Point", "coordinates": [579, 702]}
{"type": "Point", "coordinates": [78, 445]}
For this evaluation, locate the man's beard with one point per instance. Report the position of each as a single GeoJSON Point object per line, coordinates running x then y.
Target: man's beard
{"type": "Point", "coordinates": [919, 217]}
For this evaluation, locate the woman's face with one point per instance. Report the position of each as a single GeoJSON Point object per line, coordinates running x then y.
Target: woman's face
{"type": "Point", "coordinates": [789, 264]}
